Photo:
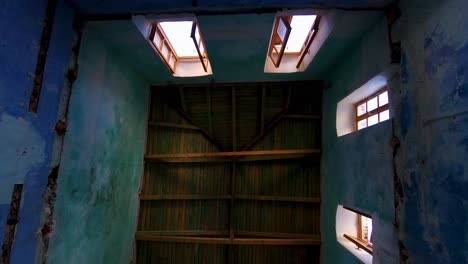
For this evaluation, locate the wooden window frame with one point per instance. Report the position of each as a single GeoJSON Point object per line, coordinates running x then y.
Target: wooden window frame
{"type": "Point", "coordinates": [310, 38]}
{"type": "Point", "coordinates": [202, 56]}
{"type": "Point", "coordinates": [286, 21]}
{"type": "Point", "coordinates": [376, 111]}
{"type": "Point", "coordinates": [156, 29]}
{"type": "Point", "coordinates": [359, 241]}
{"type": "Point", "coordinates": [305, 47]}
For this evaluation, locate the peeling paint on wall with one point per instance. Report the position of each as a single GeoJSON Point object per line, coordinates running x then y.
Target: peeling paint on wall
{"type": "Point", "coordinates": [27, 138]}
{"type": "Point", "coordinates": [102, 161]}
{"type": "Point", "coordinates": [432, 124]}
{"type": "Point", "coordinates": [23, 147]}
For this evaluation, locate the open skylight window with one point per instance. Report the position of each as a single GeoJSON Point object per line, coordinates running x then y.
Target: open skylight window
{"type": "Point", "coordinates": [181, 46]}
{"type": "Point", "coordinates": [178, 34]}
{"type": "Point", "coordinates": [296, 38]}
{"type": "Point", "coordinates": [292, 37]}
{"type": "Point", "coordinates": [301, 25]}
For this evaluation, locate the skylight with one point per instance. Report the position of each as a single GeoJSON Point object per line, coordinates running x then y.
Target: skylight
{"type": "Point", "coordinates": [290, 42]}
{"type": "Point", "coordinates": [178, 34]}
{"type": "Point", "coordinates": [300, 28]}
{"type": "Point", "coordinates": [180, 45]}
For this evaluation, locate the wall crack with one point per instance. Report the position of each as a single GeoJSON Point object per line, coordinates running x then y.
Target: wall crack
{"type": "Point", "coordinates": [398, 197]}
{"type": "Point", "coordinates": [50, 196]}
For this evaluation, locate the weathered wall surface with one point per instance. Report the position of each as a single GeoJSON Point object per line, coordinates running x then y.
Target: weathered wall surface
{"type": "Point", "coordinates": [431, 122]}
{"type": "Point", "coordinates": [97, 195]}
{"type": "Point", "coordinates": [429, 107]}
{"type": "Point", "coordinates": [26, 139]}
{"type": "Point", "coordinates": [357, 168]}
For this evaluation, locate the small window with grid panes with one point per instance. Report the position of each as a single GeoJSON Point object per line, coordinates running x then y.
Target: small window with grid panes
{"type": "Point", "coordinates": [372, 110]}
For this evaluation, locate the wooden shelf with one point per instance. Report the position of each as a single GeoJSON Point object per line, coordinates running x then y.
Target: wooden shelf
{"type": "Point", "coordinates": [215, 156]}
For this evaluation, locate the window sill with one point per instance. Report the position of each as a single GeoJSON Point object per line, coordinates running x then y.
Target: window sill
{"type": "Point", "coordinates": [360, 244]}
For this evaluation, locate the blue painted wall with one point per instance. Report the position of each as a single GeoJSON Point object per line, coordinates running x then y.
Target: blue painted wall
{"type": "Point", "coordinates": [429, 109]}
{"type": "Point", "coordinates": [432, 124]}
{"type": "Point", "coordinates": [26, 138]}
{"type": "Point", "coordinates": [357, 168]}
{"type": "Point", "coordinates": [102, 160]}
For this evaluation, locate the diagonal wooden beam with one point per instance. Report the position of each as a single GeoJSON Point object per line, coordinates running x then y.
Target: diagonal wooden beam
{"type": "Point", "coordinates": [210, 114]}
{"type": "Point", "coordinates": [269, 127]}
{"type": "Point", "coordinates": [273, 123]}
{"type": "Point", "coordinates": [262, 109]}
{"type": "Point", "coordinates": [234, 118]}
{"type": "Point", "coordinates": [203, 131]}
{"type": "Point", "coordinates": [182, 98]}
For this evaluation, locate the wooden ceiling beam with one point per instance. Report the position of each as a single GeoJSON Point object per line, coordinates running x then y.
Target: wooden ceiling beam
{"type": "Point", "coordinates": [182, 98]}
{"type": "Point", "coordinates": [173, 125]}
{"type": "Point", "coordinates": [210, 114]}
{"type": "Point", "coordinates": [183, 197]}
{"type": "Point", "coordinates": [232, 153]}
{"type": "Point", "coordinates": [303, 116]}
{"type": "Point", "coordinates": [203, 131]}
{"type": "Point", "coordinates": [234, 118]}
{"type": "Point", "coordinates": [148, 236]}
{"type": "Point", "coordinates": [262, 109]}
{"type": "Point", "coordinates": [273, 123]}
{"type": "Point", "coordinates": [227, 197]}
{"type": "Point", "coordinates": [240, 233]}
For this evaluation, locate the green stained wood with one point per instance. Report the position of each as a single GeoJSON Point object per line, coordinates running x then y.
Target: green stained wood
{"type": "Point", "coordinates": [274, 198]}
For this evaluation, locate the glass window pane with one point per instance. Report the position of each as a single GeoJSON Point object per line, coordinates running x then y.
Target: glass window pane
{"type": "Point", "coordinates": [282, 29]}
{"type": "Point", "coordinates": [366, 228]}
{"type": "Point", "coordinates": [300, 28]}
{"type": "Point", "coordinates": [274, 56]}
{"type": "Point", "coordinates": [385, 115]}
{"type": "Point", "coordinates": [157, 39]}
{"type": "Point", "coordinates": [165, 51]}
{"type": "Point", "coordinates": [197, 34]}
{"type": "Point", "coordinates": [362, 124]}
{"type": "Point", "coordinates": [178, 34]}
{"type": "Point", "coordinates": [202, 49]}
{"type": "Point", "coordinates": [372, 120]}
{"type": "Point", "coordinates": [372, 104]}
{"type": "Point", "coordinates": [361, 109]}
{"type": "Point", "coordinates": [172, 61]}
{"type": "Point", "coordinates": [383, 98]}
{"type": "Point", "coordinates": [277, 48]}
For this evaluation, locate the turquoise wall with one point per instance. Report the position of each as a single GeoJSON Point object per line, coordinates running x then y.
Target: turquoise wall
{"type": "Point", "coordinates": [357, 168]}
{"type": "Point", "coordinates": [102, 160]}
{"type": "Point", "coordinates": [429, 106]}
